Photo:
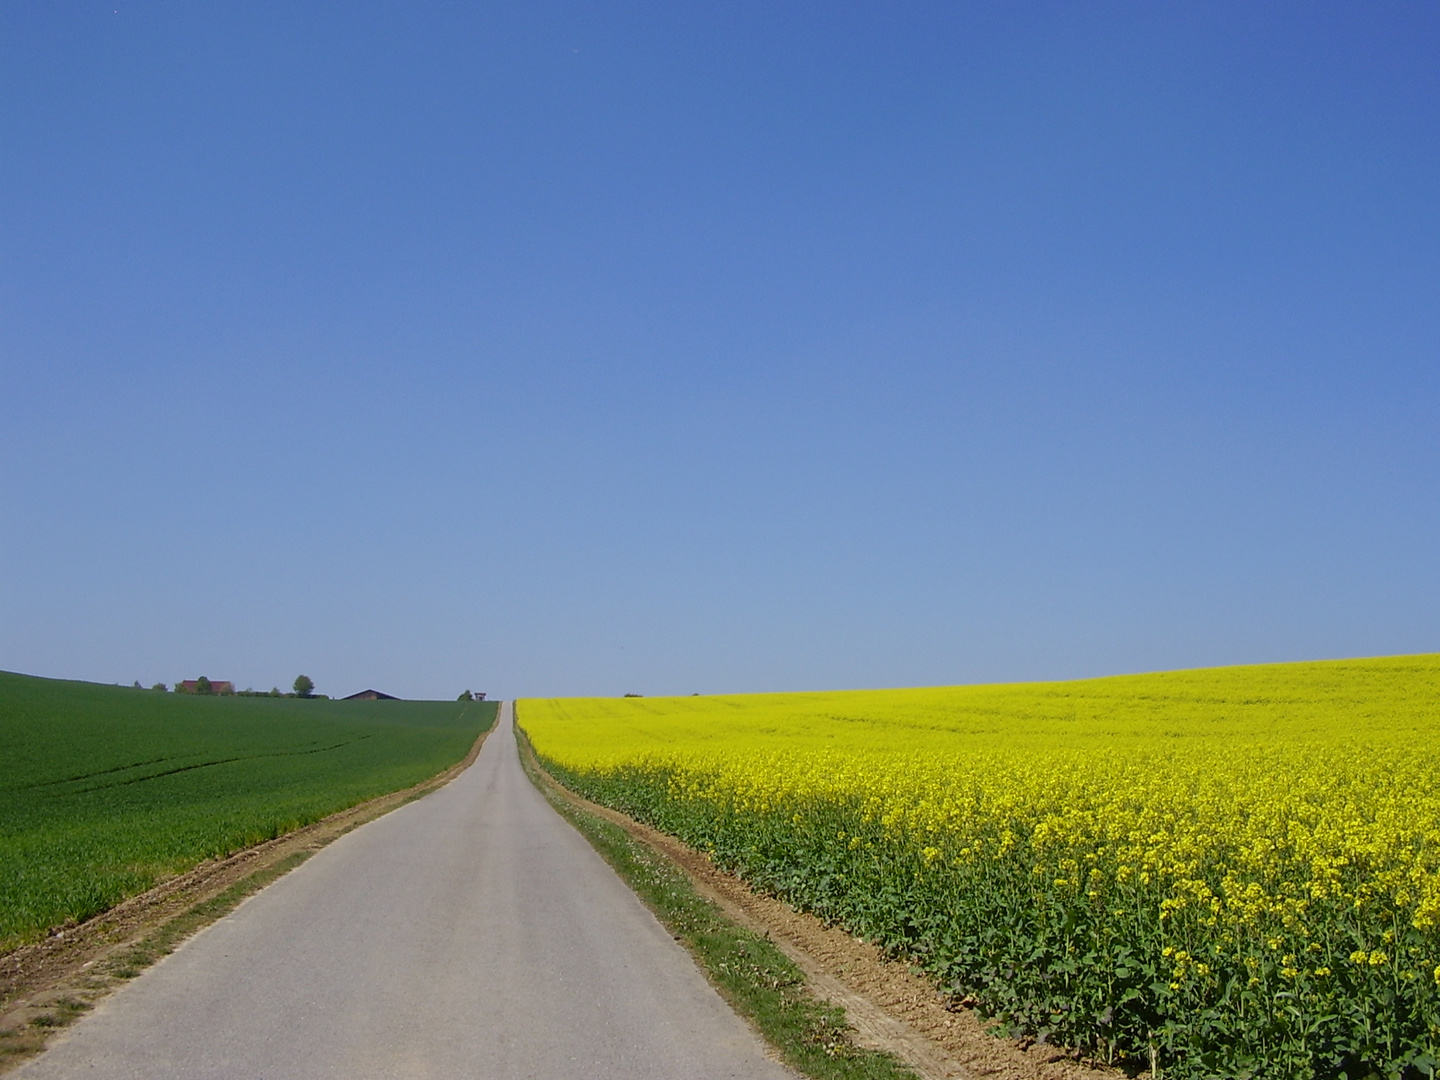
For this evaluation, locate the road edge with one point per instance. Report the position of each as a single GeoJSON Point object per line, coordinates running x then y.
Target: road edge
{"type": "Point", "coordinates": [807, 1026]}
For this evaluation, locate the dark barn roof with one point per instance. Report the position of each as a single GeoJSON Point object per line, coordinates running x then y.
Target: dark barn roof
{"type": "Point", "coordinates": [370, 695]}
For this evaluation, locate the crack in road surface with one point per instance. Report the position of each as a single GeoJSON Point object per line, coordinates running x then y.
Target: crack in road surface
{"type": "Point", "coordinates": [472, 933]}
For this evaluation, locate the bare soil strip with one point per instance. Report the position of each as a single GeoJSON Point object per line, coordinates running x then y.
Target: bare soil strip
{"type": "Point", "coordinates": [49, 984]}
{"type": "Point", "coordinates": [891, 1005]}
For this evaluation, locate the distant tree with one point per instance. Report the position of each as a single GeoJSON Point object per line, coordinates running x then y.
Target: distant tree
{"type": "Point", "coordinates": [160, 686]}
{"type": "Point", "coordinates": [202, 686]}
{"type": "Point", "coordinates": [466, 696]}
{"type": "Point", "coordinates": [138, 686]}
{"type": "Point", "coordinates": [274, 691]}
{"type": "Point", "coordinates": [304, 686]}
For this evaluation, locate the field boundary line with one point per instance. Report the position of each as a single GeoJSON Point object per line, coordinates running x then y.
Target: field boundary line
{"type": "Point", "coordinates": [889, 1004]}
{"type": "Point", "coordinates": [46, 985]}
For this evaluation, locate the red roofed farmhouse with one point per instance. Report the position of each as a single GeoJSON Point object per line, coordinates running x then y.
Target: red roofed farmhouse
{"type": "Point", "coordinates": [217, 686]}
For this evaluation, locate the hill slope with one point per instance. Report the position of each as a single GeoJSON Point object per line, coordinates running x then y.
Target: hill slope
{"type": "Point", "coordinates": [105, 790]}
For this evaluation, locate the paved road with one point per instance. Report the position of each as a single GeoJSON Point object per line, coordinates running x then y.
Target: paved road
{"type": "Point", "coordinates": [470, 934]}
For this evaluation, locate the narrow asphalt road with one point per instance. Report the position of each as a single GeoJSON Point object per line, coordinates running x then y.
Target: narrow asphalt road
{"type": "Point", "coordinates": [470, 934]}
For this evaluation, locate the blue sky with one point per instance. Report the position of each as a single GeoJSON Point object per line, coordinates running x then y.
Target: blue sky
{"type": "Point", "coordinates": [567, 348]}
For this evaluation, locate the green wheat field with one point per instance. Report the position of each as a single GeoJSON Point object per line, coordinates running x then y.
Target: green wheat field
{"type": "Point", "coordinates": [105, 791]}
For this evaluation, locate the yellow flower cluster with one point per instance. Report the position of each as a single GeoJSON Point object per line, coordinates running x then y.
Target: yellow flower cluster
{"type": "Point", "coordinates": [1281, 821]}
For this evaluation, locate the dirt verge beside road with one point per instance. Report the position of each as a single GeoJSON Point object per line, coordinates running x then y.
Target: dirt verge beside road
{"type": "Point", "coordinates": [891, 1006]}
{"type": "Point", "coordinates": [49, 984]}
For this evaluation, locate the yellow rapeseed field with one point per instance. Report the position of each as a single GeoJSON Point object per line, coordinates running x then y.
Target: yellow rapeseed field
{"type": "Point", "coordinates": [1231, 872]}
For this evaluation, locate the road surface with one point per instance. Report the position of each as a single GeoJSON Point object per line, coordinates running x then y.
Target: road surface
{"type": "Point", "coordinates": [472, 934]}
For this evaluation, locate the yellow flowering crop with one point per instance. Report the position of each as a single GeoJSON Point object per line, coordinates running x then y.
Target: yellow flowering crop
{"type": "Point", "coordinates": [1240, 866]}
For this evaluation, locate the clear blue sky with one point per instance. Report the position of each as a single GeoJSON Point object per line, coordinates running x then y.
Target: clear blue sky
{"type": "Point", "coordinates": [555, 348]}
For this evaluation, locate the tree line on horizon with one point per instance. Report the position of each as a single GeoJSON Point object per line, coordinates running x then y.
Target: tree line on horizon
{"type": "Point", "coordinates": [303, 687]}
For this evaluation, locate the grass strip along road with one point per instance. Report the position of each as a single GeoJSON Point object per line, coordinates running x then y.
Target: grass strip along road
{"type": "Point", "coordinates": [754, 975]}
{"type": "Point", "coordinates": [105, 791]}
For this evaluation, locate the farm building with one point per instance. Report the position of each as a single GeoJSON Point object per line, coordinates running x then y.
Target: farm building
{"type": "Point", "coordinates": [217, 686]}
{"type": "Point", "coordinates": [370, 695]}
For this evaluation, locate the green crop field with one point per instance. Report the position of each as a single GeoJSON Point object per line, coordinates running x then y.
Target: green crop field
{"type": "Point", "coordinates": [105, 791]}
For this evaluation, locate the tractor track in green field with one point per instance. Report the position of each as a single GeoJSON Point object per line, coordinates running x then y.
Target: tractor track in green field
{"type": "Point", "coordinates": [212, 764]}
{"type": "Point", "coordinates": [43, 784]}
